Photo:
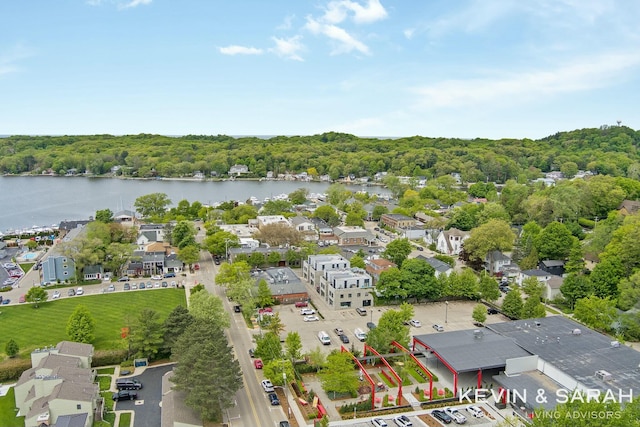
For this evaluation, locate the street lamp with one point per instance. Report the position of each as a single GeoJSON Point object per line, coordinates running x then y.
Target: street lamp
{"type": "Point", "coordinates": [226, 249]}
{"type": "Point", "coordinates": [446, 311]}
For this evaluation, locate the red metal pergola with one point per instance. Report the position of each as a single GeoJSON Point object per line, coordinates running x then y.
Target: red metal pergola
{"type": "Point", "coordinates": [365, 373]}
{"type": "Point", "coordinates": [443, 361]}
{"type": "Point", "coordinates": [395, 374]}
{"type": "Point", "coordinates": [420, 365]}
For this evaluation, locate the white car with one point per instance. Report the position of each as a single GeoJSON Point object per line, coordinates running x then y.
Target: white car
{"type": "Point", "coordinates": [379, 422]}
{"type": "Point", "coordinates": [438, 328]}
{"type": "Point", "coordinates": [311, 318]}
{"type": "Point", "coordinates": [456, 415]}
{"type": "Point", "coordinates": [56, 295]}
{"type": "Point", "coordinates": [415, 323]}
{"type": "Point", "coordinates": [475, 411]}
{"type": "Point", "coordinates": [267, 386]}
{"type": "Point", "coordinates": [402, 421]}
{"type": "Point", "coordinates": [156, 277]}
{"type": "Point", "coordinates": [307, 311]}
{"type": "Point", "coordinates": [80, 291]}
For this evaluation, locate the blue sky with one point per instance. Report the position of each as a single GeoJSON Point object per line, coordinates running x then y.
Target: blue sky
{"type": "Point", "coordinates": [464, 68]}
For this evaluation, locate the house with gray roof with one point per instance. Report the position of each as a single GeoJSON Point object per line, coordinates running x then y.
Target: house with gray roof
{"type": "Point", "coordinates": [495, 261]}
{"type": "Point", "coordinates": [285, 286]}
{"type": "Point", "coordinates": [450, 241]}
{"type": "Point", "coordinates": [60, 387]}
{"type": "Point", "coordinates": [440, 267]}
{"type": "Point", "coordinates": [124, 216]}
{"type": "Point", "coordinates": [351, 235]}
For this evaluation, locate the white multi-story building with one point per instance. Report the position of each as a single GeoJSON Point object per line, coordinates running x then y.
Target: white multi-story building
{"type": "Point", "coordinates": [346, 288]}
{"type": "Point", "coordinates": [315, 265]}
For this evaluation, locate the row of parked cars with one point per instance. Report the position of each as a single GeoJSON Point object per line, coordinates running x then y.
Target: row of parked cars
{"type": "Point", "coordinates": [127, 389]}
{"type": "Point", "coordinates": [15, 273]}
{"type": "Point", "coordinates": [446, 416]}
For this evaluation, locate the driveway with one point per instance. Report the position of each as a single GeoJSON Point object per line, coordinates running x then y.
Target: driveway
{"type": "Point", "coordinates": [147, 407]}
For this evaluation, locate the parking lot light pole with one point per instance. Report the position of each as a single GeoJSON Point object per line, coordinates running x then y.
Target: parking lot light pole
{"type": "Point", "coordinates": [446, 311]}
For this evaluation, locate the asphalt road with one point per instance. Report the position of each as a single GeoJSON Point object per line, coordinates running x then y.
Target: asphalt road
{"type": "Point", "coordinates": [253, 408]}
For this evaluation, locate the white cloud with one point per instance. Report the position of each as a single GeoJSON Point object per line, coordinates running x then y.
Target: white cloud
{"type": "Point", "coordinates": [287, 23]}
{"type": "Point", "coordinates": [240, 50]}
{"type": "Point", "coordinates": [133, 3]}
{"type": "Point", "coordinates": [409, 32]}
{"type": "Point", "coordinates": [12, 56]}
{"type": "Point", "coordinates": [581, 75]}
{"type": "Point", "coordinates": [344, 42]}
{"type": "Point", "coordinates": [288, 48]}
{"type": "Point", "coordinates": [337, 11]}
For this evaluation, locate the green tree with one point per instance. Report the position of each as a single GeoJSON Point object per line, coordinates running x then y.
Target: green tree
{"type": "Point", "coordinates": [574, 287]}
{"type": "Point", "coordinates": [174, 326]}
{"type": "Point", "coordinates": [146, 334]}
{"type": "Point", "coordinates": [479, 313]}
{"type": "Point", "coordinates": [203, 351]}
{"type": "Point", "coordinates": [203, 305]}
{"type": "Point", "coordinates": [189, 254]}
{"type": "Point", "coordinates": [274, 370]}
{"type": "Point", "coordinates": [268, 347]}
{"type": "Point", "coordinates": [183, 234]}
{"type": "Point", "coordinates": [575, 263]}
{"type": "Point", "coordinates": [104, 215]}
{"type": "Point", "coordinates": [597, 313]}
{"type": "Point", "coordinates": [397, 251]}
{"type": "Point", "coordinates": [463, 284]}
{"type": "Point", "coordinates": [337, 194]}
{"type": "Point", "coordinates": [391, 327]}
{"type": "Point", "coordinates": [81, 325]}
{"type": "Point", "coordinates": [390, 284]}
{"type": "Point", "coordinates": [533, 308]}
{"type": "Point", "coordinates": [488, 288]}
{"type": "Point", "coordinates": [554, 241]}
{"type": "Point", "coordinates": [274, 258]}
{"type": "Point", "coordinates": [494, 235]}
{"type": "Point", "coordinates": [354, 219]}
{"type": "Point", "coordinates": [328, 214]}
{"type": "Point", "coordinates": [378, 211]}
{"type": "Point", "coordinates": [11, 348]}
{"type": "Point", "coordinates": [36, 295]}
{"type": "Point", "coordinates": [629, 290]}
{"type": "Point", "coordinates": [256, 259]}
{"type": "Point", "coordinates": [235, 272]}
{"type": "Point", "coordinates": [220, 241]}
{"type": "Point", "coordinates": [299, 196]}
{"type": "Point", "coordinates": [276, 207]}
{"type": "Point", "coordinates": [357, 261]}
{"type": "Point", "coordinates": [152, 205]}
{"type": "Point", "coordinates": [293, 346]}
{"type": "Point", "coordinates": [605, 277]}
{"type": "Point", "coordinates": [532, 287]}
{"type": "Point", "coordinates": [339, 375]}
{"type": "Point", "coordinates": [274, 324]}
{"type": "Point", "coordinates": [265, 297]}
{"type": "Point", "coordinates": [512, 304]}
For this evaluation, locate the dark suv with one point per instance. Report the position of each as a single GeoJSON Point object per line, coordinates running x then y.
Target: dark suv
{"type": "Point", "coordinates": [125, 395]}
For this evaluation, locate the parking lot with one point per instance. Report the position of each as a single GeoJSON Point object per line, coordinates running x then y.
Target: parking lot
{"type": "Point", "coordinates": [451, 315]}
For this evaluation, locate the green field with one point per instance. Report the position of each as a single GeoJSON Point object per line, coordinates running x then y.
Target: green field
{"type": "Point", "coordinates": [33, 328]}
{"type": "Point", "coordinates": [7, 411]}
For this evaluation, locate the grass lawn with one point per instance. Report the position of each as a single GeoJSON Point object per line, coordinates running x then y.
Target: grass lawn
{"type": "Point", "coordinates": [125, 420]}
{"type": "Point", "coordinates": [33, 328]}
{"type": "Point", "coordinates": [106, 371]}
{"type": "Point", "coordinates": [104, 381]}
{"type": "Point", "coordinates": [7, 411]}
{"type": "Point", "coordinates": [416, 376]}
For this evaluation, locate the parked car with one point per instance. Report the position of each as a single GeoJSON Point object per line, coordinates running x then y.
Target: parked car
{"type": "Point", "coordinates": [196, 267]}
{"type": "Point", "coordinates": [56, 295]}
{"type": "Point", "coordinates": [379, 422]}
{"type": "Point", "coordinates": [167, 275]}
{"type": "Point", "coordinates": [237, 308]}
{"type": "Point", "coordinates": [475, 411]}
{"type": "Point", "coordinates": [402, 421]}
{"type": "Point", "coordinates": [80, 291]}
{"type": "Point", "coordinates": [274, 399]}
{"type": "Point", "coordinates": [251, 353]}
{"type": "Point", "coordinates": [361, 311]}
{"type": "Point", "coordinates": [123, 279]}
{"type": "Point", "coordinates": [165, 285]}
{"type": "Point", "coordinates": [415, 323]}
{"type": "Point", "coordinates": [456, 415]}
{"type": "Point", "coordinates": [22, 299]}
{"type": "Point", "coordinates": [126, 286]}
{"type": "Point", "coordinates": [284, 424]}
{"type": "Point", "coordinates": [301, 304]}
{"type": "Point", "coordinates": [112, 288]}
{"type": "Point", "coordinates": [258, 364]}
{"type": "Point", "coordinates": [142, 285]}
{"type": "Point", "coordinates": [420, 248]}
{"type": "Point", "coordinates": [339, 331]}
{"type": "Point", "coordinates": [311, 318]}
{"type": "Point", "coordinates": [267, 386]}
{"type": "Point", "coordinates": [438, 328]}
{"type": "Point", "coordinates": [344, 339]}
{"type": "Point", "coordinates": [492, 310]}
{"type": "Point", "coordinates": [134, 286]}
{"type": "Point", "coordinates": [6, 301]}
{"type": "Point", "coordinates": [125, 395]}
{"type": "Point", "coordinates": [71, 292]}
{"type": "Point", "coordinates": [128, 384]}
{"type": "Point", "coordinates": [371, 325]}
{"type": "Point", "coordinates": [307, 311]}
{"type": "Point", "coordinates": [442, 416]}
{"type": "Point", "coordinates": [156, 277]}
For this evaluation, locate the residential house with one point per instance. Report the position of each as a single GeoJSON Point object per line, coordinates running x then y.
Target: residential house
{"type": "Point", "coordinates": [315, 265]}
{"type": "Point", "coordinates": [67, 227]}
{"type": "Point", "coordinates": [450, 241]}
{"type": "Point", "coordinates": [552, 287]}
{"type": "Point", "coordinates": [154, 257]}
{"type": "Point", "coordinates": [416, 232]}
{"type": "Point", "coordinates": [541, 275]}
{"type": "Point", "coordinates": [342, 289]}
{"type": "Point", "coordinates": [59, 387]}
{"type": "Point", "coordinates": [322, 227]}
{"type": "Point", "coordinates": [57, 268]}
{"type": "Point", "coordinates": [237, 170]}
{"type": "Point", "coordinates": [352, 235]}
{"type": "Point", "coordinates": [375, 267]}
{"type": "Point", "coordinates": [124, 216]}
{"type": "Point", "coordinates": [552, 266]}
{"type": "Point", "coordinates": [397, 221]}
{"type": "Point", "coordinates": [93, 272]}
{"type": "Point", "coordinates": [305, 226]}
{"type": "Point", "coordinates": [440, 267]}
{"type": "Point", "coordinates": [249, 243]}
{"type": "Point", "coordinates": [271, 219]}
{"type": "Point", "coordinates": [148, 233]}
{"type": "Point", "coordinates": [495, 261]}
{"type": "Point", "coordinates": [286, 287]}
{"type": "Point", "coordinates": [629, 207]}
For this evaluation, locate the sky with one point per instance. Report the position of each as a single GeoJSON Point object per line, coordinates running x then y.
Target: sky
{"type": "Point", "coordinates": [388, 68]}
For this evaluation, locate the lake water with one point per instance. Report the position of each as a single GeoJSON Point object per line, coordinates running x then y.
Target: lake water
{"type": "Point", "coordinates": [46, 200]}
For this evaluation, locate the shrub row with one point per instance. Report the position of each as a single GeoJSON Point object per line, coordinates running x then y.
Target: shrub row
{"type": "Point", "coordinates": [11, 369]}
{"type": "Point", "coordinates": [108, 357]}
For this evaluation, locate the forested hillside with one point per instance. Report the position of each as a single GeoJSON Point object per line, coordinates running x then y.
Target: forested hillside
{"type": "Point", "coordinates": [608, 150]}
